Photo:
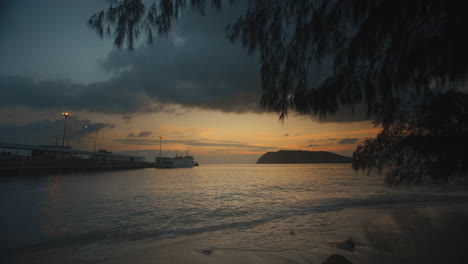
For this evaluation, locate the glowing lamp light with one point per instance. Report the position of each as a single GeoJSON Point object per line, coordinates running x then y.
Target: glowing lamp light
{"type": "Point", "coordinates": [66, 115]}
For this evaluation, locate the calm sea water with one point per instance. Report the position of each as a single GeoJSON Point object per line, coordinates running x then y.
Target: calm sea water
{"type": "Point", "coordinates": [71, 217]}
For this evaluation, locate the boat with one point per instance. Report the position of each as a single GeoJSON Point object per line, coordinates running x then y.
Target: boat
{"type": "Point", "coordinates": [195, 163]}
{"type": "Point", "coordinates": [176, 162]}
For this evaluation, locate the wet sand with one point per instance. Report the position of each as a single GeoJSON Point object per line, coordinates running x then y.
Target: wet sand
{"type": "Point", "coordinates": [398, 233]}
{"type": "Point", "coordinates": [405, 233]}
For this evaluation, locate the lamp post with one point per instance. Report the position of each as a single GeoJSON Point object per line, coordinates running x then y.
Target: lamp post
{"type": "Point", "coordinates": [160, 143]}
{"type": "Point", "coordinates": [95, 138]}
{"type": "Point", "coordinates": [66, 115]}
{"type": "Point", "coordinates": [95, 141]}
{"type": "Point", "coordinates": [79, 137]}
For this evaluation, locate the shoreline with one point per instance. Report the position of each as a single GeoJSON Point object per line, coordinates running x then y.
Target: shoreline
{"type": "Point", "coordinates": [398, 233]}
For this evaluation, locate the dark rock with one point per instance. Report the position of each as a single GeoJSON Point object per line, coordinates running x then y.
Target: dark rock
{"type": "Point", "coordinates": [337, 259]}
{"type": "Point", "coordinates": [348, 244]}
{"type": "Point", "coordinates": [292, 233]}
{"type": "Point", "coordinates": [205, 251]}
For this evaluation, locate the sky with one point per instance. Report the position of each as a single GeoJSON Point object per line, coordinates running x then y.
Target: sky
{"type": "Point", "coordinates": [194, 88]}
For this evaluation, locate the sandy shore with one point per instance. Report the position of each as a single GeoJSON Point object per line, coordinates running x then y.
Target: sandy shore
{"type": "Point", "coordinates": [414, 233]}
{"type": "Point", "coordinates": [398, 233]}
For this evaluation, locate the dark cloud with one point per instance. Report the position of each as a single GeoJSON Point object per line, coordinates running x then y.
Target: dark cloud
{"type": "Point", "coordinates": [348, 141]}
{"type": "Point", "coordinates": [332, 141]}
{"type": "Point", "coordinates": [196, 66]}
{"type": "Point", "coordinates": [318, 145]}
{"type": "Point", "coordinates": [141, 134]}
{"type": "Point", "coordinates": [97, 97]}
{"type": "Point", "coordinates": [49, 132]}
{"type": "Point", "coordinates": [321, 142]}
{"type": "Point", "coordinates": [346, 114]}
{"type": "Point", "coordinates": [127, 118]}
{"type": "Point", "coordinates": [196, 143]}
{"type": "Point", "coordinates": [85, 127]}
{"type": "Point", "coordinates": [227, 144]}
{"type": "Point", "coordinates": [144, 134]}
{"type": "Point", "coordinates": [50, 39]}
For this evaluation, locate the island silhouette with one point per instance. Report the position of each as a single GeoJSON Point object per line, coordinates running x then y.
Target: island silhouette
{"type": "Point", "coordinates": [299, 156]}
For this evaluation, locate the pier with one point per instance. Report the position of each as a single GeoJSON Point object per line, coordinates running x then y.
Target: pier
{"type": "Point", "coordinates": [18, 159]}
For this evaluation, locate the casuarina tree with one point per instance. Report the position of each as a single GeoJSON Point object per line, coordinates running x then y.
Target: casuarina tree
{"type": "Point", "coordinates": [405, 61]}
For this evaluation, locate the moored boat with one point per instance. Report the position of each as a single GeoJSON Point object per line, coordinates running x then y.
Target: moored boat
{"type": "Point", "coordinates": [176, 162]}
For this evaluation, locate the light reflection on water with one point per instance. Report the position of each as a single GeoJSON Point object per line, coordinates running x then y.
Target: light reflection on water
{"type": "Point", "coordinates": [54, 207]}
{"type": "Point", "coordinates": [244, 205]}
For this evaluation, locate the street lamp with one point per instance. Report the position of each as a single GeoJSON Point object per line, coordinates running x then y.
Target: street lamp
{"type": "Point", "coordinates": [66, 115]}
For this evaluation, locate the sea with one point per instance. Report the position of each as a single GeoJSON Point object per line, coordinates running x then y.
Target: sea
{"type": "Point", "coordinates": [209, 214]}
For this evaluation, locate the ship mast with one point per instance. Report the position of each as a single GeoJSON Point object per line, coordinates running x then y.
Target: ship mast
{"type": "Point", "coordinates": [160, 144]}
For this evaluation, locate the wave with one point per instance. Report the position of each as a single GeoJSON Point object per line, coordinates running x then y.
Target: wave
{"type": "Point", "coordinates": [128, 232]}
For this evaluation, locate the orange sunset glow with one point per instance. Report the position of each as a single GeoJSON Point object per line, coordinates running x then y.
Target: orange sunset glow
{"type": "Point", "coordinates": [233, 131]}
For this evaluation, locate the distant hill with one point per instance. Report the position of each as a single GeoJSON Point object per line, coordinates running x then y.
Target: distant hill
{"type": "Point", "coordinates": [299, 156]}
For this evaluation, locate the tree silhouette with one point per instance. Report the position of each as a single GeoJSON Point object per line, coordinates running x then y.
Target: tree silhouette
{"type": "Point", "coordinates": [124, 20]}
{"type": "Point", "coordinates": [394, 57]}
{"type": "Point", "coordinates": [428, 145]}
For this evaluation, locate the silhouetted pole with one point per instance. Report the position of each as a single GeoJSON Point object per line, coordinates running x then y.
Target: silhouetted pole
{"type": "Point", "coordinates": [66, 115]}
{"type": "Point", "coordinates": [160, 144]}
{"type": "Point", "coordinates": [95, 141]}
{"type": "Point", "coordinates": [79, 137]}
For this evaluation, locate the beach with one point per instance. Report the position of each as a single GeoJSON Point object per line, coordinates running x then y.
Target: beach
{"type": "Point", "coordinates": [405, 233]}
{"type": "Point", "coordinates": [230, 214]}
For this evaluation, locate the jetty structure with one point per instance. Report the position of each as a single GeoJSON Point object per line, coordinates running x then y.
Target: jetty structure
{"type": "Point", "coordinates": [18, 159]}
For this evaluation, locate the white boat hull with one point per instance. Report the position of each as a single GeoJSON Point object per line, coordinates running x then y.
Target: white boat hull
{"type": "Point", "coordinates": [177, 162]}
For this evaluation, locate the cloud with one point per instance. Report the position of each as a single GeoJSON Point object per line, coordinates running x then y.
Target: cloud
{"type": "Point", "coordinates": [346, 114]}
{"type": "Point", "coordinates": [227, 144]}
{"type": "Point", "coordinates": [332, 141]}
{"type": "Point", "coordinates": [321, 142]}
{"type": "Point", "coordinates": [196, 143]}
{"type": "Point", "coordinates": [50, 132]}
{"type": "Point", "coordinates": [318, 145]}
{"type": "Point", "coordinates": [127, 118]}
{"type": "Point", "coordinates": [200, 69]}
{"type": "Point", "coordinates": [195, 67]}
{"type": "Point", "coordinates": [141, 134]}
{"type": "Point", "coordinates": [347, 141]}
